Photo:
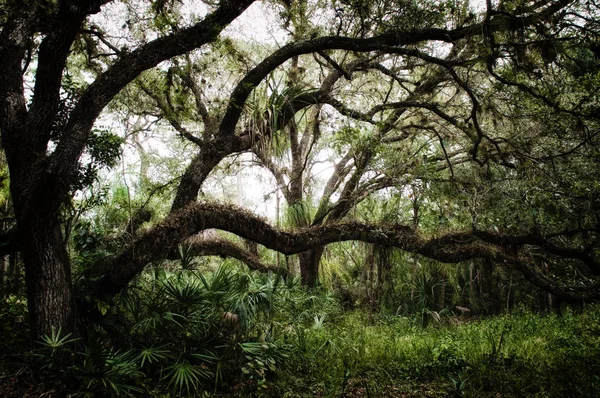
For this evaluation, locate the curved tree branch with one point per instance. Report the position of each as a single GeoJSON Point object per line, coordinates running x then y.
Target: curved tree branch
{"type": "Point", "coordinates": [127, 68]}
{"type": "Point", "coordinates": [540, 241]}
{"type": "Point", "coordinates": [199, 246]}
{"type": "Point", "coordinates": [392, 42]}
{"type": "Point", "coordinates": [180, 225]}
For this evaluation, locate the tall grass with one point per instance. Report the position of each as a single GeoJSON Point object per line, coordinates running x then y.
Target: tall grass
{"type": "Point", "coordinates": [517, 355]}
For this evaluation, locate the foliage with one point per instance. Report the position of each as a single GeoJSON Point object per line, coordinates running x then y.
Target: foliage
{"type": "Point", "coordinates": [228, 331]}
{"type": "Point", "coordinates": [472, 132]}
{"type": "Point", "coordinates": [514, 355]}
{"type": "Point", "coordinates": [104, 150]}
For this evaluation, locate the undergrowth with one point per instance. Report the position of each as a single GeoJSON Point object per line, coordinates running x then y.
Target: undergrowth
{"type": "Point", "coordinates": [518, 355]}
{"type": "Point", "coordinates": [232, 333]}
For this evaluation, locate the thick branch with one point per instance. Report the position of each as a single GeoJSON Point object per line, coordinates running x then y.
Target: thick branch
{"type": "Point", "coordinates": [389, 42]}
{"type": "Point", "coordinates": [195, 217]}
{"type": "Point", "coordinates": [141, 216]}
{"type": "Point", "coordinates": [209, 156]}
{"type": "Point", "coordinates": [14, 38]}
{"type": "Point", "coordinates": [540, 241]}
{"type": "Point", "coordinates": [340, 172]}
{"type": "Point", "coordinates": [52, 59]}
{"type": "Point", "coordinates": [221, 247]}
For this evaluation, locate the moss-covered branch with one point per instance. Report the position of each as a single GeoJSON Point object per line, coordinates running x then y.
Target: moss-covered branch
{"type": "Point", "coordinates": [186, 222]}
{"type": "Point", "coordinates": [198, 246]}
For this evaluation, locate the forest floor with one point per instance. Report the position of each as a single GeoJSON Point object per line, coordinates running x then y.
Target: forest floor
{"type": "Point", "coordinates": [358, 354]}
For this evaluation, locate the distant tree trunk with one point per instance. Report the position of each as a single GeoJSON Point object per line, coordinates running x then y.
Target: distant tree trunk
{"type": "Point", "coordinates": [14, 284]}
{"type": "Point", "coordinates": [473, 301]}
{"type": "Point", "coordinates": [550, 301]}
{"type": "Point", "coordinates": [383, 273]}
{"type": "Point", "coordinates": [309, 266]}
{"type": "Point", "coordinates": [484, 291]}
{"type": "Point", "coordinates": [4, 267]}
{"type": "Point", "coordinates": [556, 304]}
{"type": "Point", "coordinates": [413, 282]}
{"type": "Point", "coordinates": [508, 295]}
{"type": "Point", "coordinates": [438, 299]}
{"type": "Point", "coordinates": [9, 277]}
{"type": "Point", "coordinates": [490, 288]}
{"type": "Point", "coordinates": [441, 295]}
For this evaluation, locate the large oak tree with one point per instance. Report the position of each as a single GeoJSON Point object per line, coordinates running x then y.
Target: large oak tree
{"type": "Point", "coordinates": [492, 63]}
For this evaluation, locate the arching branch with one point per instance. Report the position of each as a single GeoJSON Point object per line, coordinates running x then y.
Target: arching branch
{"type": "Point", "coordinates": [198, 246]}
{"type": "Point", "coordinates": [186, 222]}
{"type": "Point", "coordinates": [540, 241]}
{"type": "Point", "coordinates": [127, 68]}
{"type": "Point", "coordinates": [392, 42]}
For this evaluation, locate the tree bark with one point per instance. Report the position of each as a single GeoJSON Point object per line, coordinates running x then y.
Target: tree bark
{"type": "Point", "coordinates": [309, 266]}
{"type": "Point", "coordinates": [48, 277]}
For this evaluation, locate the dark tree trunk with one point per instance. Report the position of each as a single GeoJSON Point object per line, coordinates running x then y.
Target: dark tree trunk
{"type": "Point", "coordinates": [48, 277]}
{"type": "Point", "coordinates": [309, 266]}
{"type": "Point", "coordinates": [384, 277]}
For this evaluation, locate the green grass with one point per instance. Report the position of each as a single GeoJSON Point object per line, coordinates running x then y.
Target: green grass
{"type": "Point", "coordinates": [508, 356]}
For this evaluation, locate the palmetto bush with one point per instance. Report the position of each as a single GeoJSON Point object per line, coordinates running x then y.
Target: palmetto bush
{"type": "Point", "coordinates": [188, 332]}
{"type": "Point", "coordinates": [192, 332]}
{"type": "Point", "coordinates": [189, 328]}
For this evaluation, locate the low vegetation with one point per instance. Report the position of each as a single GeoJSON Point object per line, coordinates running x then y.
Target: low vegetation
{"type": "Point", "coordinates": [233, 333]}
